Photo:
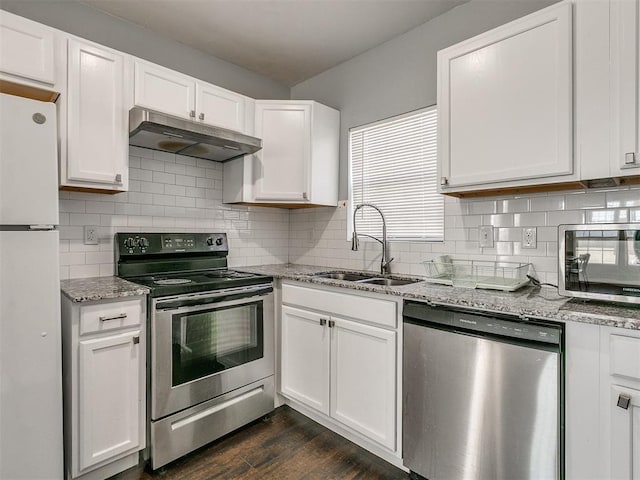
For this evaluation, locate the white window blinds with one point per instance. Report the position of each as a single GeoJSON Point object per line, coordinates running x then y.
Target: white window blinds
{"type": "Point", "coordinates": [393, 166]}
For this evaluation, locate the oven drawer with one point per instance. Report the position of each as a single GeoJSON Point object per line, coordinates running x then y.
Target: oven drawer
{"type": "Point", "coordinates": [178, 434]}
{"type": "Point", "coordinates": [102, 317]}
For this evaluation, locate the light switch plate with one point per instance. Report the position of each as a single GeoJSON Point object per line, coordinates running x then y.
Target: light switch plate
{"type": "Point", "coordinates": [486, 236]}
{"type": "Point", "coordinates": [529, 237]}
{"type": "Point", "coordinates": [90, 235]}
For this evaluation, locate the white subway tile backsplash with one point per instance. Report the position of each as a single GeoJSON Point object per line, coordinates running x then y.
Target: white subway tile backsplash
{"type": "Point", "coordinates": [623, 198]}
{"type": "Point", "coordinates": [575, 201]}
{"type": "Point", "coordinates": [547, 203]}
{"type": "Point", "coordinates": [162, 196]}
{"type": "Point", "coordinates": [462, 217]}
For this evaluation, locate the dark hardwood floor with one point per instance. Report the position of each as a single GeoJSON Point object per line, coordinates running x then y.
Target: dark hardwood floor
{"type": "Point", "coordinates": [286, 445]}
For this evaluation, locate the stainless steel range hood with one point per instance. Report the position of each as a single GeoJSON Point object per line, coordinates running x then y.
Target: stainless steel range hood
{"type": "Point", "coordinates": [159, 131]}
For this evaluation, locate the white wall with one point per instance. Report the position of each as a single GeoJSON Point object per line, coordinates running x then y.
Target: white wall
{"type": "Point", "coordinates": [87, 22]}
{"type": "Point", "coordinates": [167, 193]}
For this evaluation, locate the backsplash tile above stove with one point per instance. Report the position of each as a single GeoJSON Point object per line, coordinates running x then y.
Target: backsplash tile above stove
{"type": "Point", "coordinates": [167, 193]}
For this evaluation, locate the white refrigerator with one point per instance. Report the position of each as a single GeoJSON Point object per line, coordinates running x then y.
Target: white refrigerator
{"type": "Point", "coordinates": [30, 340]}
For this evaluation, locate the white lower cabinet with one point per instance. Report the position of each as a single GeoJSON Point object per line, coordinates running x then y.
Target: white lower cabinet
{"type": "Point", "coordinates": [344, 368]}
{"type": "Point", "coordinates": [620, 402]}
{"type": "Point", "coordinates": [363, 376]}
{"type": "Point", "coordinates": [305, 358]}
{"type": "Point", "coordinates": [104, 386]}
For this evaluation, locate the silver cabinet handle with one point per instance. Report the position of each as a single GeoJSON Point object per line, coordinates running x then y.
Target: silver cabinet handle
{"type": "Point", "coordinates": [624, 401]}
{"type": "Point", "coordinates": [136, 340]}
{"type": "Point", "coordinates": [444, 181]}
{"type": "Point", "coordinates": [192, 114]}
{"type": "Point", "coordinates": [120, 316]}
{"type": "Point", "coordinates": [323, 321]}
{"type": "Point", "coordinates": [201, 117]}
{"type": "Point", "coordinates": [332, 323]}
{"type": "Point", "coordinates": [630, 158]}
{"type": "Point", "coordinates": [305, 196]}
{"type": "Point", "coordinates": [119, 178]}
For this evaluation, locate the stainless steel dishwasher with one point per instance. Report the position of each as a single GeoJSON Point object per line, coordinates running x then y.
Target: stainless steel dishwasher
{"type": "Point", "coordinates": [483, 395]}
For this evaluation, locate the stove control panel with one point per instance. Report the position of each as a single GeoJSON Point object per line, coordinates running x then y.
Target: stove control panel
{"type": "Point", "coordinates": [140, 244]}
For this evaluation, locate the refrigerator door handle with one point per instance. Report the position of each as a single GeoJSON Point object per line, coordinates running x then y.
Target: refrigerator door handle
{"type": "Point", "coordinates": [41, 227]}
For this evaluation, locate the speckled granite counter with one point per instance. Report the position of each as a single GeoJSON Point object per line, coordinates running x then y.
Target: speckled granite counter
{"type": "Point", "coordinates": [99, 288]}
{"type": "Point", "coordinates": [530, 301]}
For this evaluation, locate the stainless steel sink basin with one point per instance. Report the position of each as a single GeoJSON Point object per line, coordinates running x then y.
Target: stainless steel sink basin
{"type": "Point", "coordinates": [365, 278]}
{"type": "Point", "coordinates": [350, 277]}
{"type": "Point", "coordinates": [388, 282]}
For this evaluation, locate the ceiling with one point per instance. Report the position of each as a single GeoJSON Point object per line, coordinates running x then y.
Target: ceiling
{"type": "Point", "coordinates": [286, 40]}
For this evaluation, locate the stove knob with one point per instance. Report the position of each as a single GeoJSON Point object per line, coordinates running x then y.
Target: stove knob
{"type": "Point", "coordinates": [210, 241]}
{"type": "Point", "coordinates": [143, 243]}
{"type": "Point", "coordinates": [219, 241]}
{"type": "Point", "coordinates": [130, 242]}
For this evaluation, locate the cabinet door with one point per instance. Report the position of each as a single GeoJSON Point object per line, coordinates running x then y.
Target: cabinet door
{"type": "Point", "coordinates": [109, 403]}
{"type": "Point", "coordinates": [219, 107]}
{"type": "Point", "coordinates": [625, 61]}
{"type": "Point", "coordinates": [282, 166]}
{"type": "Point", "coordinates": [505, 102]}
{"type": "Point", "coordinates": [164, 90]}
{"type": "Point", "coordinates": [26, 49]}
{"type": "Point", "coordinates": [363, 379]}
{"type": "Point", "coordinates": [305, 358]}
{"type": "Point", "coordinates": [98, 117]}
{"type": "Point", "coordinates": [625, 434]}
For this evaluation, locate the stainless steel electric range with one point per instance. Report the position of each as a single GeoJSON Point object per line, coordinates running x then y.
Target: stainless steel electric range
{"type": "Point", "coordinates": [210, 336]}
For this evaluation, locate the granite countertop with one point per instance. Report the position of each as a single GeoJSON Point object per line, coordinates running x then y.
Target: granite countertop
{"type": "Point", "coordinates": [538, 302]}
{"type": "Point", "coordinates": [81, 290]}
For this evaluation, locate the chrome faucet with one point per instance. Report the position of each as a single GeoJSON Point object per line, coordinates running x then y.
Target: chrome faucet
{"type": "Point", "coordinates": [384, 263]}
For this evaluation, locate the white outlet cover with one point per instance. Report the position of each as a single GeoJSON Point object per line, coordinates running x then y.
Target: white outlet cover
{"type": "Point", "coordinates": [90, 235]}
{"type": "Point", "coordinates": [529, 237]}
{"type": "Point", "coordinates": [486, 236]}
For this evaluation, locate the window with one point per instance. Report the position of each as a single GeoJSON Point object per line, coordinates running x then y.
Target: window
{"type": "Point", "coordinates": [393, 166]}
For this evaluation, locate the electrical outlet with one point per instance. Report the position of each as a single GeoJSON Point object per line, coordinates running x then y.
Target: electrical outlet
{"type": "Point", "coordinates": [90, 235]}
{"type": "Point", "coordinates": [486, 236]}
{"type": "Point", "coordinates": [529, 237]}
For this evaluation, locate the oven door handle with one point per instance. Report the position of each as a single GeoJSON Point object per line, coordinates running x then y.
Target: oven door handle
{"type": "Point", "coordinates": [213, 297]}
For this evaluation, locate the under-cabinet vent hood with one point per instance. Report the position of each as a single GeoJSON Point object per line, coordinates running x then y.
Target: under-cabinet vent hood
{"type": "Point", "coordinates": [159, 131]}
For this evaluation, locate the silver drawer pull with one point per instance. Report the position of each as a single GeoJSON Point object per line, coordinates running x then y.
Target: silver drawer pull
{"type": "Point", "coordinates": [136, 340]}
{"type": "Point", "coordinates": [115, 317]}
{"type": "Point", "coordinates": [624, 401]}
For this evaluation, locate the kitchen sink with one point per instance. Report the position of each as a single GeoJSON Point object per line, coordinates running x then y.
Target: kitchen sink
{"type": "Point", "coordinates": [366, 278]}
{"type": "Point", "coordinates": [388, 282]}
{"type": "Point", "coordinates": [350, 277]}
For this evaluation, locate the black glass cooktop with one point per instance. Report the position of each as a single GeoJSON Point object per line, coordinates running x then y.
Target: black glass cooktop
{"type": "Point", "coordinates": [177, 283]}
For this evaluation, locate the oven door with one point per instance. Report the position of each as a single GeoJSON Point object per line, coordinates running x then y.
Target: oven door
{"type": "Point", "coordinates": [205, 345]}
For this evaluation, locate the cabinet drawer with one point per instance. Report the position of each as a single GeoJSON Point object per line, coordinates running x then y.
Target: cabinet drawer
{"type": "Point", "coordinates": [110, 316]}
{"type": "Point", "coordinates": [625, 356]}
{"type": "Point", "coordinates": [372, 310]}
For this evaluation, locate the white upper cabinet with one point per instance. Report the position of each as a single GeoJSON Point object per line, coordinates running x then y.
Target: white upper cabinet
{"type": "Point", "coordinates": [285, 130]}
{"type": "Point", "coordinates": [505, 101]}
{"type": "Point", "coordinates": [220, 107]}
{"type": "Point", "coordinates": [26, 50]}
{"type": "Point", "coordinates": [300, 138]}
{"type": "Point", "coordinates": [164, 90]}
{"type": "Point", "coordinates": [171, 92]}
{"type": "Point", "coordinates": [625, 61]}
{"type": "Point", "coordinates": [97, 105]}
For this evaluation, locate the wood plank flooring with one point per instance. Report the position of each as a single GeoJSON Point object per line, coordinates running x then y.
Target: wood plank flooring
{"type": "Point", "coordinates": [286, 445]}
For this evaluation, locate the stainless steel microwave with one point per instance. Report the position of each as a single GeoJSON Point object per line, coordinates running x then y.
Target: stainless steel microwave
{"type": "Point", "coordinates": [600, 262]}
